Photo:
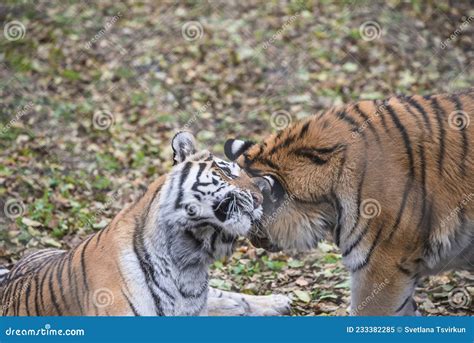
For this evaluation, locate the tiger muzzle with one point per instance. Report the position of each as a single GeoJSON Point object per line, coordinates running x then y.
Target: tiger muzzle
{"type": "Point", "coordinates": [258, 236]}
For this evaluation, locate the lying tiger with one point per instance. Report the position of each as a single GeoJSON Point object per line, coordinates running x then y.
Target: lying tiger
{"type": "Point", "coordinates": [153, 258]}
{"type": "Point", "coordinates": [390, 182]}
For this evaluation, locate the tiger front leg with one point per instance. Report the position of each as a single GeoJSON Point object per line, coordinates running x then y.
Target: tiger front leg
{"type": "Point", "coordinates": [382, 291]}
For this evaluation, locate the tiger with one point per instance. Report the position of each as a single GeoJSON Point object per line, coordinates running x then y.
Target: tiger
{"type": "Point", "coordinates": [153, 257]}
{"type": "Point", "coordinates": [389, 182]}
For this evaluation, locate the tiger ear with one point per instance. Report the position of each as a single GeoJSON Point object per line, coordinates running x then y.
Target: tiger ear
{"type": "Point", "coordinates": [233, 148]}
{"type": "Point", "coordinates": [183, 145]}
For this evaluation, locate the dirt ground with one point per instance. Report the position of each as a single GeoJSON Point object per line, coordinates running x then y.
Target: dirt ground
{"type": "Point", "coordinates": [92, 92]}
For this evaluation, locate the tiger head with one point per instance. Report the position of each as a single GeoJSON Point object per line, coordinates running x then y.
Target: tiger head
{"type": "Point", "coordinates": [297, 179]}
{"type": "Point", "coordinates": [209, 193]}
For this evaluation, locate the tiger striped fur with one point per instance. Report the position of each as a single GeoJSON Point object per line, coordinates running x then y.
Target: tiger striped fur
{"type": "Point", "coordinates": [390, 182]}
{"type": "Point", "coordinates": [153, 257]}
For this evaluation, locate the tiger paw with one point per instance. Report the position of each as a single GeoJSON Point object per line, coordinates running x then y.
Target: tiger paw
{"type": "Point", "coordinates": [267, 305]}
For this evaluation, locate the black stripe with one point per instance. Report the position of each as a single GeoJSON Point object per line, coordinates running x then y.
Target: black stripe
{"type": "Point", "coordinates": [403, 304]}
{"type": "Point", "coordinates": [338, 208]}
{"type": "Point", "coordinates": [287, 142]}
{"type": "Point", "coordinates": [59, 277]}
{"type": "Point", "coordinates": [41, 287]}
{"type": "Point", "coordinates": [247, 161]}
{"type": "Point", "coordinates": [311, 153]}
{"type": "Point", "coordinates": [348, 119]}
{"type": "Point", "coordinates": [440, 117]}
{"type": "Point", "coordinates": [379, 111]}
{"type": "Point", "coordinates": [359, 193]}
{"type": "Point", "coordinates": [405, 137]}
{"type": "Point", "coordinates": [403, 204]}
{"type": "Point", "coordinates": [36, 280]}
{"type": "Point", "coordinates": [6, 297]}
{"type": "Point", "coordinates": [52, 294]}
{"type": "Point", "coordinates": [304, 130]}
{"type": "Point", "coordinates": [130, 304]}
{"type": "Point", "coordinates": [11, 295]}
{"type": "Point", "coordinates": [269, 163]}
{"type": "Point", "coordinates": [415, 306]}
{"type": "Point", "coordinates": [202, 166]}
{"type": "Point", "coordinates": [420, 109]}
{"type": "Point", "coordinates": [83, 265]}
{"type": "Point", "coordinates": [371, 250]}
{"type": "Point", "coordinates": [307, 153]}
{"type": "Point", "coordinates": [214, 236]}
{"type": "Point", "coordinates": [341, 167]}
{"type": "Point", "coordinates": [184, 174]}
{"type": "Point", "coordinates": [368, 121]}
{"type": "Point", "coordinates": [357, 241]}
{"type": "Point", "coordinates": [404, 270]}
{"type": "Point", "coordinates": [72, 280]}
{"type": "Point", "coordinates": [27, 292]}
{"type": "Point", "coordinates": [329, 150]}
{"type": "Point", "coordinates": [279, 134]}
{"type": "Point", "coordinates": [423, 181]}
{"type": "Point", "coordinates": [18, 295]}
{"type": "Point", "coordinates": [99, 235]}
{"type": "Point", "coordinates": [144, 262]}
{"type": "Point", "coordinates": [465, 143]}
{"type": "Point", "coordinates": [260, 150]}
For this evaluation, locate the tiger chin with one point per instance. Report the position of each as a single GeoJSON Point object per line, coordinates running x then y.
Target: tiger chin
{"type": "Point", "coordinates": [390, 182]}
{"type": "Point", "coordinates": [153, 258]}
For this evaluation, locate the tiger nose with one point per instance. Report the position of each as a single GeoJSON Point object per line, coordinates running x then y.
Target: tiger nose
{"type": "Point", "coordinates": [257, 199]}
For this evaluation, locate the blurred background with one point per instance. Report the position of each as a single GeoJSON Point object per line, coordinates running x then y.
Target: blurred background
{"type": "Point", "coordinates": [92, 92]}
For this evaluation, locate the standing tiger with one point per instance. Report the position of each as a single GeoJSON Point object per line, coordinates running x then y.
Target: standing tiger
{"type": "Point", "coordinates": [390, 182]}
{"type": "Point", "coordinates": [154, 256]}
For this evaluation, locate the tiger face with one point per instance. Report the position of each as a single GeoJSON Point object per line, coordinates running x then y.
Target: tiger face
{"type": "Point", "coordinates": [210, 192]}
{"type": "Point", "coordinates": [297, 184]}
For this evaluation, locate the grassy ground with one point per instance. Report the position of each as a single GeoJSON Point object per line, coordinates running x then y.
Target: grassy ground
{"type": "Point", "coordinates": [92, 92]}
